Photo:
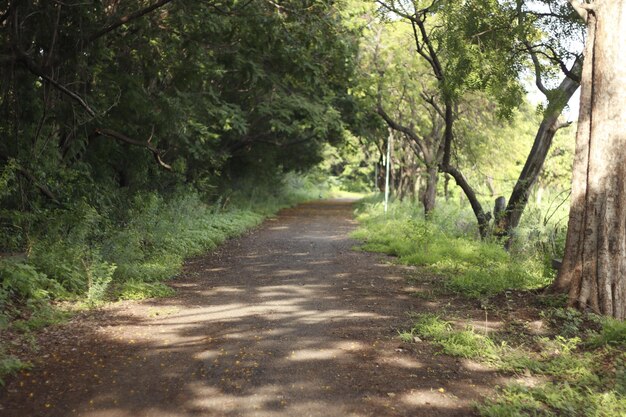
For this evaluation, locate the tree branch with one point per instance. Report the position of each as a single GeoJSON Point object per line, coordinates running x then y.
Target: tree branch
{"type": "Point", "coordinates": [410, 133]}
{"type": "Point", "coordinates": [24, 58]}
{"type": "Point", "coordinates": [537, 66]}
{"type": "Point", "coordinates": [128, 18]}
{"type": "Point", "coordinates": [581, 8]}
{"type": "Point", "coordinates": [123, 138]}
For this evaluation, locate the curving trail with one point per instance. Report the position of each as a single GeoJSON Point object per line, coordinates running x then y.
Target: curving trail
{"type": "Point", "coordinates": [286, 321]}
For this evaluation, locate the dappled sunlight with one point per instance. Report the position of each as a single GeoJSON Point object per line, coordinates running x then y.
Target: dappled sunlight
{"type": "Point", "coordinates": [322, 262]}
{"type": "Point", "coordinates": [221, 269]}
{"type": "Point", "coordinates": [249, 334]}
{"type": "Point", "coordinates": [434, 397]}
{"type": "Point", "coordinates": [314, 354]}
{"type": "Point", "coordinates": [485, 326]}
{"type": "Point", "coordinates": [289, 272]}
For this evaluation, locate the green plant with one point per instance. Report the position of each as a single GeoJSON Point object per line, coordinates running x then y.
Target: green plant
{"type": "Point", "coordinates": [465, 343]}
{"type": "Point", "coordinates": [406, 337]}
{"type": "Point", "coordinates": [138, 290]}
{"type": "Point", "coordinates": [22, 282]}
{"type": "Point", "coordinates": [613, 333]}
{"type": "Point", "coordinates": [568, 321]}
{"type": "Point", "coordinates": [9, 365]}
{"type": "Point", "coordinates": [471, 267]}
{"type": "Point", "coordinates": [99, 277]}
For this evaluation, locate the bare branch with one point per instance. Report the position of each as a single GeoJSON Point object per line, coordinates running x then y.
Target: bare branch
{"type": "Point", "coordinates": [24, 58]}
{"type": "Point", "coordinates": [42, 188]}
{"type": "Point", "coordinates": [123, 138]}
{"type": "Point", "coordinates": [431, 100]}
{"type": "Point", "coordinates": [537, 65]}
{"type": "Point", "coordinates": [561, 124]}
{"type": "Point", "coordinates": [408, 132]}
{"type": "Point", "coordinates": [128, 18]}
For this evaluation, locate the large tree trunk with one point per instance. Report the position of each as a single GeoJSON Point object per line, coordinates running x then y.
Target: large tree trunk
{"type": "Point", "coordinates": [537, 156]}
{"type": "Point", "coordinates": [594, 265]}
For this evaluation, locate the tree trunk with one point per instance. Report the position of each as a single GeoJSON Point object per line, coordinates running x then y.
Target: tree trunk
{"type": "Point", "coordinates": [594, 265]}
{"type": "Point", "coordinates": [430, 193]}
{"type": "Point", "coordinates": [482, 217]}
{"type": "Point", "coordinates": [537, 156]}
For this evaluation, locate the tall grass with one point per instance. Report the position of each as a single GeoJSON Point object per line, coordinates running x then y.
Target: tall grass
{"type": "Point", "coordinates": [447, 245]}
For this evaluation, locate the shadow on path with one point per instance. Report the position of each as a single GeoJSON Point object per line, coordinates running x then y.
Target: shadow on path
{"type": "Point", "coordinates": [286, 321]}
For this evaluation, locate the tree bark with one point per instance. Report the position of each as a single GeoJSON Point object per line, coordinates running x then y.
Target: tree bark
{"type": "Point", "coordinates": [430, 193]}
{"type": "Point", "coordinates": [594, 265]}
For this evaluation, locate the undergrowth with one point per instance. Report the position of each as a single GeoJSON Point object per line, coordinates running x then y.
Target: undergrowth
{"type": "Point", "coordinates": [88, 254]}
{"type": "Point", "coordinates": [577, 369]}
{"type": "Point", "coordinates": [581, 376]}
{"type": "Point", "coordinates": [447, 245]}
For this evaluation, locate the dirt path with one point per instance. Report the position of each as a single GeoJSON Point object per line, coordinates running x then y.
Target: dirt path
{"type": "Point", "coordinates": [286, 321]}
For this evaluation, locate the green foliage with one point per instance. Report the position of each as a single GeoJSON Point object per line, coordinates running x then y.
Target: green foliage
{"type": "Point", "coordinates": [139, 290]}
{"type": "Point", "coordinates": [463, 343]}
{"type": "Point", "coordinates": [471, 267]}
{"type": "Point", "coordinates": [552, 400]}
{"type": "Point", "coordinates": [9, 365]}
{"type": "Point", "coordinates": [21, 282]}
{"type": "Point", "coordinates": [613, 333]}
{"type": "Point", "coordinates": [585, 383]}
{"type": "Point", "coordinates": [41, 315]}
{"type": "Point", "coordinates": [567, 320]}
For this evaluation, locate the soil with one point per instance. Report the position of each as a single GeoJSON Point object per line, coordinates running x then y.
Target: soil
{"type": "Point", "coordinates": [288, 320]}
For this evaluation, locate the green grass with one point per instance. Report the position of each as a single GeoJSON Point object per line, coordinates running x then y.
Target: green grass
{"type": "Point", "coordinates": [470, 266]}
{"type": "Point", "coordinates": [465, 343]}
{"type": "Point", "coordinates": [581, 380]}
{"type": "Point", "coordinates": [613, 333]}
{"type": "Point", "coordinates": [582, 365]}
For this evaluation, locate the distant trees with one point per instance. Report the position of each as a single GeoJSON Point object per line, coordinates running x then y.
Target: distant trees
{"type": "Point", "coordinates": [457, 69]}
{"type": "Point", "coordinates": [485, 45]}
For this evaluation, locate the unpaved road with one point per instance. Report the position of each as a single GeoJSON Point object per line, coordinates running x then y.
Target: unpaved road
{"type": "Point", "coordinates": [286, 321]}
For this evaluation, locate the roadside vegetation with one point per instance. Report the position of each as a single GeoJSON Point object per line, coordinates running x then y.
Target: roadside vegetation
{"type": "Point", "coordinates": [575, 365]}
{"type": "Point", "coordinates": [446, 244]}
{"type": "Point", "coordinates": [120, 253]}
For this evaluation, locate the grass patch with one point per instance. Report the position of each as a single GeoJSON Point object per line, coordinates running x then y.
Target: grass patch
{"type": "Point", "coordinates": [462, 343]}
{"type": "Point", "coordinates": [139, 290]}
{"type": "Point", "coordinates": [471, 267]}
{"type": "Point", "coordinates": [585, 377]}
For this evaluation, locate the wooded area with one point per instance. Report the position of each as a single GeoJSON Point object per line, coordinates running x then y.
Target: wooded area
{"type": "Point", "coordinates": [135, 134]}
